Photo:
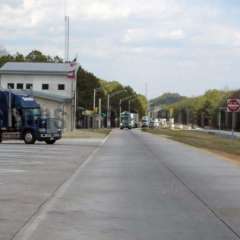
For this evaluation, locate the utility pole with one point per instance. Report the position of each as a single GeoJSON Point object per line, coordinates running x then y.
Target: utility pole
{"type": "Point", "coordinates": [120, 110]}
{"type": "Point", "coordinates": [100, 113]}
{"type": "Point", "coordinates": [129, 105]}
{"type": "Point", "coordinates": [146, 95]}
{"type": "Point", "coordinates": [94, 107]}
{"type": "Point", "coordinates": [108, 112]}
{"type": "Point", "coordinates": [94, 99]}
{"type": "Point", "coordinates": [233, 123]}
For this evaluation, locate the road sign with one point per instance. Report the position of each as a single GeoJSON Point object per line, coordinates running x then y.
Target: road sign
{"type": "Point", "coordinates": [233, 105]}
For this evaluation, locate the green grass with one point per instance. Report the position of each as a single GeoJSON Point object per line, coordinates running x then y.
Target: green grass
{"type": "Point", "coordinates": [87, 133]}
{"type": "Point", "coordinates": [201, 140]}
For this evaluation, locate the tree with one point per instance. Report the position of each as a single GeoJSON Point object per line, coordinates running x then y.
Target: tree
{"type": "Point", "coordinates": [19, 57]}
{"type": "Point", "coordinates": [5, 59]}
{"type": "Point", "coordinates": [37, 56]}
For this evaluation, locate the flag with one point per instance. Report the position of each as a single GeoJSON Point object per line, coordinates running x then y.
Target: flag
{"type": "Point", "coordinates": [72, 69]}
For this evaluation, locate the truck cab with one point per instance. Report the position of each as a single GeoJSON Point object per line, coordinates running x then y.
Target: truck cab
{"type": "Point", "coordinates": [21, 118]}
{"type": "Point", "coordinates": [125, 120]}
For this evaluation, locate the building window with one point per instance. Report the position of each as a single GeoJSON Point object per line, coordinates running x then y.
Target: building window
{"type": "Point", "coordinates": [10, 85]}
{"type": "Point", "coordinates": [29, 86]}
{"type": "Point", "coordinates": [19, 85]}
{"type": "Point", "coordinates": [61, 86]}
{"type": "Point", "coordinates": [45, 86]}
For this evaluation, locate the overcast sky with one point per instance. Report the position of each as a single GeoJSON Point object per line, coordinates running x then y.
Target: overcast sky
{"type": "Point", "coordinates": [185, 46]}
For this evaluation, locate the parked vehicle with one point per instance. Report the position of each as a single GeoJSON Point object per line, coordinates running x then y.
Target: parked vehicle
{"type": "Point", "coordinates": [20, 118]}
{"type": "Point", "coordinates": [134, 120]}
{"type": "Point", "coordinates": [145, 122]}
{"type": "Point", "coordinates": [126, 120]}
{"type": "Point", "coordinates": [154, 123]}
{"type": "Point", "coordinates": [151, 123]}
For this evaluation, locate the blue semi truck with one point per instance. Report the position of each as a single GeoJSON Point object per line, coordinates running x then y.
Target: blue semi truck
{"type": "Point", "coordinates": [20, 118]}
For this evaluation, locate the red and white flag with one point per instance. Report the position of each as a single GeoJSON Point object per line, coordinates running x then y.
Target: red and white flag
{"type": "Point", "coordinates": [72, 69]}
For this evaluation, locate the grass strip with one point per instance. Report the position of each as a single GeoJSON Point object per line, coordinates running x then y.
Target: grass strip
{"type": "Point", "coordinates": [208, 141]}
{"type": "Point", "coordinates": [87, 133]}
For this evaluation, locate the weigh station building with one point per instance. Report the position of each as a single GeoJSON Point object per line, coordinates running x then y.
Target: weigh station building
{"type": "Point", "coordinates": [53, 85]}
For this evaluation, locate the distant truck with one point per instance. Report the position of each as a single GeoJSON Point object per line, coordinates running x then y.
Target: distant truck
{"type": "Point", "coordinates": [145, 122]}
{"type": "Point", "coordinates": [134, 120]}
{"type": "Point", "coordinates": [125, 121]}
{"type": "Point", "coordinates": [20, 118]}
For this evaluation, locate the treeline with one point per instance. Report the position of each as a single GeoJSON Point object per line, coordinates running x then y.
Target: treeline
{"type": "Point", "coordinates": [86, 83]}
{"type": "Point", "coordinates": [33, 56]}
{"type": "Point", "coordinates": [208, 110]}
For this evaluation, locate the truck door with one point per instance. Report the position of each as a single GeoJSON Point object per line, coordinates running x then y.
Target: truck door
{"type": "Point", "coordinates": [17, 118]}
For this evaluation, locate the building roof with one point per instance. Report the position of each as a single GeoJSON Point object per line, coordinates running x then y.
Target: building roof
{"type": "Point", "coordinates": [28, 68]}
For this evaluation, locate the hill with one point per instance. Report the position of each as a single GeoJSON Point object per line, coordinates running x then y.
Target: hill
{"type": "Point", "coordinates": [166, 99]}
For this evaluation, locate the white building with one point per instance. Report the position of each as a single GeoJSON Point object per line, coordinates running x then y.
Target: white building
{"type": "Point", "coordinates": [49, 83]}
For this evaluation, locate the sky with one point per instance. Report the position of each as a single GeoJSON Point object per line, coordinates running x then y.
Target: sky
{"type": "Point", "coordinates": [184, 46]}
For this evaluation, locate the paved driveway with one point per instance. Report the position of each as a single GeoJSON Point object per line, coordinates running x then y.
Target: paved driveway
{"type": "Point", "coordinates": [31, 174]}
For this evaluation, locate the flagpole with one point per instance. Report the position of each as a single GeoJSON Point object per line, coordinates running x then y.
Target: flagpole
{"type": "Point", "coordinates": [75, 109]}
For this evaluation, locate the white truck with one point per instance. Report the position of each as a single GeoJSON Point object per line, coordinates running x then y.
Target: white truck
{"type": "Point", "coordinates": [145, 121]}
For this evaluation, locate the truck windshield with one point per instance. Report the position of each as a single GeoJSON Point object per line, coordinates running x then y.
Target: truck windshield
{"type": "Point", "coordinates": [34, 112]}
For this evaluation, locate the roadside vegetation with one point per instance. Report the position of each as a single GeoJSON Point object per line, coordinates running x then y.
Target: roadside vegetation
{"type": "Point", "coordinates": [225, 146]}
{"type": "Point", "coordinates": [204, 110]}
{"type": "Point", "coordinates": [87, 133]}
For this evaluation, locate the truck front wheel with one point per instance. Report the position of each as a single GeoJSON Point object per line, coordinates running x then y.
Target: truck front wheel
{"type": "Point", "coordinates": [50, 141]}
{"type": "Point", "coordinates": [29, 138]}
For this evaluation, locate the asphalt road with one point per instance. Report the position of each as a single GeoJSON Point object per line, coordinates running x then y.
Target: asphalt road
{"type": "Point", "coordinates": [135, 186]}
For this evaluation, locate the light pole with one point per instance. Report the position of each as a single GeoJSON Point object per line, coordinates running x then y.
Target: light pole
{"type": "Point", "coordinates": [109, 96]}
{"type": "Point", "coordinates": [100, 113]}
{"type": "Point", "coordinates": [94, 99]}
{"type": "Point", "coordinates": [95, 90]}
{"type": "Point", "coordinates": [120, 110]}
{"type": "Point", "coordinates": [108, 113]}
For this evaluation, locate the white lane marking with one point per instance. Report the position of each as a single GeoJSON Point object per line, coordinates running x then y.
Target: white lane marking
{"type": "Point", "coordinates": [32, 224]}
{"type": "Point", "coordinates": [4, 171]}
{"type": "Point", "coordinates": [17, 162]}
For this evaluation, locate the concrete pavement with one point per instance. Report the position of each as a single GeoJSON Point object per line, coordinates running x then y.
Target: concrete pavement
{"type": "Point", "coordinates": [31, 174]}
{"type": "Point", "coordinates": [142, 187]}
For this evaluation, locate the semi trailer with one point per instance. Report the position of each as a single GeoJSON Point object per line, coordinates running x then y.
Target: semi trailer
{"type": "Point", "coordinates": [21, 118]}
